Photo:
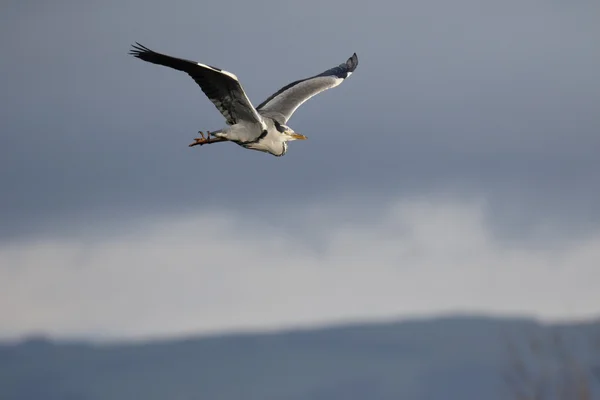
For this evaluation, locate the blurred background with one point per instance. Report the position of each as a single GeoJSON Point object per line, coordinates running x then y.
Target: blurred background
{"type": "Point", "coordinates": [444, 209]}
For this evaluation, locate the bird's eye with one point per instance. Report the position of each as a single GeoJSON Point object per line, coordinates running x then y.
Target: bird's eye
{"type": "Point", "coordinates": [279, 127]}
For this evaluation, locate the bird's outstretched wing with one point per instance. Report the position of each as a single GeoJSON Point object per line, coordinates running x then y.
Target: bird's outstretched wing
{"type": "Point", "coordinates": [221, 87]}
{"type": "Point", "coordinates": [282, 104]}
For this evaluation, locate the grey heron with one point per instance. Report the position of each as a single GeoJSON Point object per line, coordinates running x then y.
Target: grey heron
{"type": "Point", "coordinates": [262, 128]}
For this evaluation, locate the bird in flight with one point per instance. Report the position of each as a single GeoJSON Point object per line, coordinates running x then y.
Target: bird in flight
{"type": "Point", "coordinates": [262, 128]}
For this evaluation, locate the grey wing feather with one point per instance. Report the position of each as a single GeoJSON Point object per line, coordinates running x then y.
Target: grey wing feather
{"type": "Point", "coordinates": [282, 104]}
{"type": "Point", "coordinates": [221, 87]}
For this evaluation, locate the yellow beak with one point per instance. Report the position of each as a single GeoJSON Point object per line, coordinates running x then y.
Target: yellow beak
{"type": "Point", "coordinates": [298, 136]}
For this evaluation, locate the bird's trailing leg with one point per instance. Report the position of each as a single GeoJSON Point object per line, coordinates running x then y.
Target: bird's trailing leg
{"type": "Point", "coordinates": [205, 140]}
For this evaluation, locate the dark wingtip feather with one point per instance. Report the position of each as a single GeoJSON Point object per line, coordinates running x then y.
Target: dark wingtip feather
{"type": "Point", "coordinates": [352, 63]}
{"type": "Point", "coordinates": [137, 50]}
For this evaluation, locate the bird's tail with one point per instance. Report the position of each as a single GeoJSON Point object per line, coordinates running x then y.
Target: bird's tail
{"type": "Point", "coordinates": [218, 133]}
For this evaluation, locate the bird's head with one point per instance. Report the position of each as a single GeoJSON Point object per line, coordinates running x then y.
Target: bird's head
{"type": "Point", "coordinates": [290, 135]}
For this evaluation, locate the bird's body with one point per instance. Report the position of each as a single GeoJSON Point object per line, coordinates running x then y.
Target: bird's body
{"type": "Point", "coordinates": [262, 128]}
{"type": "Point", "coordinates": [255, 136]}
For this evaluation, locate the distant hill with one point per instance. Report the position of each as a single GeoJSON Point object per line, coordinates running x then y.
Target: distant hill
{"type": "Point", "coordinates": [464, 358]}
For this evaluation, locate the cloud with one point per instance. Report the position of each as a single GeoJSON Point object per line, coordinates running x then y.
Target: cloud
{"type": "Point", "coordinates": [455, 94]}
{"type": "Point", "coordinates": [220, 271]}
{"type": "Point", "coordinates": [111, 225]}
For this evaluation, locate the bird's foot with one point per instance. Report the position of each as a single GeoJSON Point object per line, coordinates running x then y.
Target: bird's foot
{"type": "Point", "coordinates": [202, 134]}
{"type": "Point", "coordinates": [205, 140]}
{"type": "Point", "coordinates": [199, 142]}
{"type": "Point", "coordinates": [202, 139]}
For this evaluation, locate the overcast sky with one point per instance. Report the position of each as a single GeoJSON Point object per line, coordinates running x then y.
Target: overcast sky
{"type": "Point", "coordinates": [456, 170]}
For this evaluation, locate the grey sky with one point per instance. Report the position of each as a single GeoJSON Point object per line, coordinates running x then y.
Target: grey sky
{"type": "Point", "coordinates": [489, 100]}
